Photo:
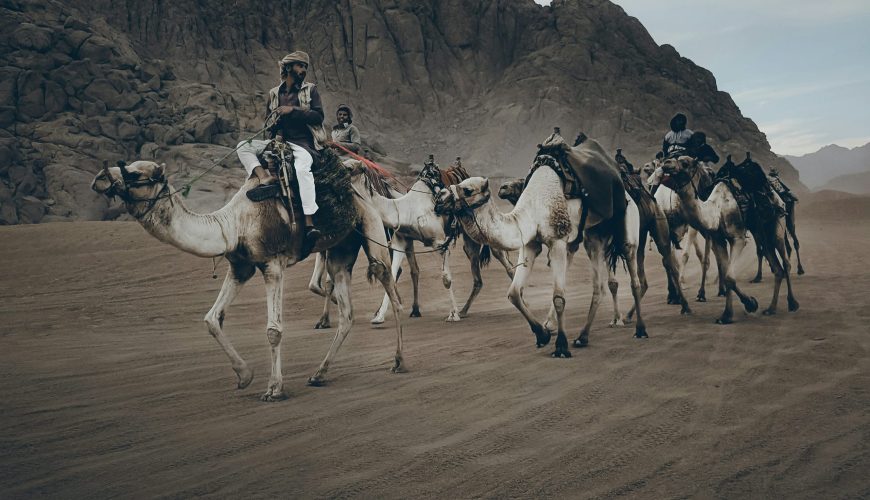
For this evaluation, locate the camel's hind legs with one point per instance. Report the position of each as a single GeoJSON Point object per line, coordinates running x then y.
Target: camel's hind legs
{"type": "Point", "coordinates": [237, 275]}
{"type": "Point", "coordinates": [559, 267]}
{"type": "Point", "coordinates": [472, 251]}
{"type": "Point", "coordinates": [595, 251]}
{"type": "Point", "coordinates": [781, 268]}
{"type": "Point", "coordinates": [790, 227]}
{"type": "Point", "coordinates": [316, 285]}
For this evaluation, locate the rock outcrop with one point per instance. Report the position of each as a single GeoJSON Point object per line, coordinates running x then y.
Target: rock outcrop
{"type": "Point", "coordinates": [83, 82]}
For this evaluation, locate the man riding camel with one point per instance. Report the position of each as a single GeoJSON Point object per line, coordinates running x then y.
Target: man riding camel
{"type": "Point", "coordinates": [294, 114]}
{"type": "Point", "coordinates": [677, 139]}
{"type": "Point", "coordinates": [344, 133]}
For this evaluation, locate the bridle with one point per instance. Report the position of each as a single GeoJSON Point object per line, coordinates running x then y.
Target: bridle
{"type": "Point", "coordinates": [121, 188]}
{"type": "Point", "coordinates": [676, 184]}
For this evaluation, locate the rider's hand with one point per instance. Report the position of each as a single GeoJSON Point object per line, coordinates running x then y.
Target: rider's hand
{"type": "Point", "coordinates": [285, 110]}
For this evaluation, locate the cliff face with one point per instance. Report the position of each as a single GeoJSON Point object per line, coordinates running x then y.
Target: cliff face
{"type": "Point", "coordinates": [486, 80]}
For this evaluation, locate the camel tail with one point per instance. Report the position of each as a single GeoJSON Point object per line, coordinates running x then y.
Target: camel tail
{"type": "Point", "coordinates": [616, 229]}
{"type": "Point", "coordinates": [485, 255]}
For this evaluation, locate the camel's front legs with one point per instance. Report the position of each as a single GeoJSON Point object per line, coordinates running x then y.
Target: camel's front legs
{"type": "Point", "coordinates": [669, 261]}
{"type": "Point", "coordinates": [472, 251]}
{"type": "Point", "coordinates": [726, 266]}
{"type": "Point", "coordinates": [447, 280]}
{"type": "Point", "coordinates": [780, 271]}
{"type": "Point", "coordinates": [237, 275]}
{"type": "Point", "coordinates": [505, 260]}
{"type": "Point", "coordinates": [398, 247]}
{"type": "Point", "coordinates": [559, 267]}
{"type": "Point", "coordinates": [527, 256]}
{"type": "Point", "coordinates": [273, 274]}
{"type": "Point", "coordinates": [415, 276]}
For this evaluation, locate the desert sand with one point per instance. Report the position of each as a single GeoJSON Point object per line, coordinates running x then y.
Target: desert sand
{"type": "Point", "coordinates": [112, 387]}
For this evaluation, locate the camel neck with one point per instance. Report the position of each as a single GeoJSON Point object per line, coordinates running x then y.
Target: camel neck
{"type": "Point", "coordinates": [702, 215]}
{"type": "Point", "coordinates": [489, 225]}
{"type": "Point", "coordinates": [404, 211]}
{"type": "Point", "coordinates": [204, 235]}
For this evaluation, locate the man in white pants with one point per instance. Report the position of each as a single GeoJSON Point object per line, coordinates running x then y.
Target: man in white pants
{"type": "Point", "coordinates": [295, 114]}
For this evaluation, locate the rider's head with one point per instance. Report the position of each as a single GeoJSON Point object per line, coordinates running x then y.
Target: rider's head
{"type": "Point", "coordinates": [344, 115]}
{"type": "Point", "coordinates": [295, 66]}
{"type": "Point", "coordinates": [678, 122]}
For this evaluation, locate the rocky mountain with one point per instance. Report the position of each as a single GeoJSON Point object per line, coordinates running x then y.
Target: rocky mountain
{"type": "Point", "coordinates": [850, 183]}
{"type": "Point", "coordinates": [830, 162]}
{"type": "Point", "coordinates": [88, 81]}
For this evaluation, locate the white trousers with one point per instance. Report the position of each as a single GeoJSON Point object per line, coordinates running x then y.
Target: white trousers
{"type": "Point", "coordinates": [302, 162]}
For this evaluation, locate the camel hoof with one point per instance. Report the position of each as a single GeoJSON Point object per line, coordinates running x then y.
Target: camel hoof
{"type": "Point", "coordinates": [721, 293]}
{"type": "Point", "coordinates": [245, 375]}
{"type": "Point", "coordinates": [453, 318]}
{"type": "Point", "coordinates": [561, 353]}
{"type": "Point", "coordinates": [686, 309]}
{"type": "Point", "coordinates": [801, 271]}
{"type": "Point", "coordinates": [724, 321]}
{"type": "Point", "coordinates": [272, 396]}
{"type": "Point", "coordinates": [756, 279]}
{"type": "Point", "coordinates": [463, 314]}
{"type": "Point", "coordinates": [793, 305]}
{"type": "Point", "coordinates": [316, 381]}
{"type": "Point", "coordinates": [751, 305]}
{"type": "Point", "coordinates": [542, 337]}
{"type": "Point", "coordinates": [702, 297]}
{"type": "Point", "coordinates": [616, 323]}
{"type": "Point", "coordinates": [377, 321]}
{"type": "Point", "coordinates": [581, 341]}
{"type": "Point", "coordinates": [398, 366]}
{"type": "Point", "coordinates": [640, 333]}
{"type": "Point", "coordinates": [322, 325]}
{"type": "Point", "coordinates": [768, 312]}
{"type": "Point", "coordinates": [415, 312]}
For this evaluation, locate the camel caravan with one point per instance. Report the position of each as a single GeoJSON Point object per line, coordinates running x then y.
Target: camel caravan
{"type": "Point", "coordinates": [312, 193]}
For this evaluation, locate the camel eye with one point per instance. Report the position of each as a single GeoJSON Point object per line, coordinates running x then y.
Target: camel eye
{"type": "Point", "coordinates": [467, 191]}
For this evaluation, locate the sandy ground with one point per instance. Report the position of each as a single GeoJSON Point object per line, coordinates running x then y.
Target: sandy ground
{"type": "Point", "coordinates": [112, 387]}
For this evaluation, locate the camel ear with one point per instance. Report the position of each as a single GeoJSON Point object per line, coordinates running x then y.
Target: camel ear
{"type": "Point", "coordinates": [161, 170]}
{"type": "Point", "coordinates": [486, 185]}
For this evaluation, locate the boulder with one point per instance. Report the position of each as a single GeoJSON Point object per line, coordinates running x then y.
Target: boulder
{"type": "Point", "coordinates": [55, 97]}
{"type": "Point", "coordinates": [8, 84]}
{"type": "Point", "coordinates": [71, 189]}
{"type": "Point", "coordinates": [97, 49]}
{"type": "Point", "coordinates": [31, 37]}
{"type": "Point", "coordinates": [149, 151]}
{"type": "Point", "coordinates": [102, 90]}
{"type": "Point", "coordinates": [8, 214]}
{"type": "Point", "coordinates": [31, 96]}
{"type": "Point", "coordinates": [27, 185]}
{"type": "Point", "coordinates": [31, 210]}
{"type": "Point", "coordinates": [205, 127]}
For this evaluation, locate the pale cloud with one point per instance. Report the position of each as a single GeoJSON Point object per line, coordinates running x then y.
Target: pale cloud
{"type": "Point", "coordinates": [774, 92]}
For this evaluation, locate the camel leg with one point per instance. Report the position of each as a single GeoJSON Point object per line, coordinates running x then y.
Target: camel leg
{"type": "Point", "coordinates": [273, 274]}
{"type": "Point", "coordinates": [528, 254]}
{"type": "Point", "coordinates": [316, 285]}
{"type": "Point", "coordinates": [790, 226]}
{"type": "Point", "coordinates": [749, 302]}
{"type": "Point", "coordinates": [781, 271]}
{"type": "Point", "coordinates": [761, 252]}
{"type": "Point", "coordinates": [778, 273]}
{"type": "Point", "coordinates": [636, 289]}
{"type": "Point", "coordinates": [669, 261]}
{"type": "Point", "coordinates": [472, 251]}
{"type": "Point", "coordinates": [340, 265]}
{"type": "Point", "coordinates": [551, 324]}
{"type": "Point", "coordinates": [398, 247]}
{"type": "Point", "coordinates": [447, 280]}
{"type": "Point", "coordinates": [559, 267]}
{"type": "Point", "coordinates": [721, 253]}
{"type": "Point", "coordinates": [503, 258]}
{"type": "Point", "coordinates": [595, 251]}
{"type": "Point", "coordinates": [237, 275]}
{"type": "Point", "coordinates": [613, 285]}
{"type": "Point", "coordinates": [641, 272]}
{"type": "Point", "coordinates": [415, 276]}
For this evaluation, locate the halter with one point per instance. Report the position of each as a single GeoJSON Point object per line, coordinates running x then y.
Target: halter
{"type": "Point", "coordinates": [122, 190]}
{"type": "Point", "coordinates": [690, 179]}
{"type": "Point", "coordinates": [434, 184]}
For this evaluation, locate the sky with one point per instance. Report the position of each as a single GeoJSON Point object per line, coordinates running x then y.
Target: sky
{"type": "Point", "coordinates": [799, 68]}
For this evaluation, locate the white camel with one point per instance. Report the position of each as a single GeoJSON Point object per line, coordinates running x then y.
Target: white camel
{"type": "Point", "coordinates": [720, 221]}
{"type": "Point", "coordinates": [688, 237]}
{"type": "Point", "coordinates": [254, 236]}
{"type": "Point", "coordinates": [543, 216]}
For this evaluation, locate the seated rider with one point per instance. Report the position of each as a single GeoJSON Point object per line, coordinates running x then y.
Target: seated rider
{"type": "Point", "coordinates": [781, 189]}
{"type": "Point", "coordinates": [753, 181]}
{"type": "Point", "coordinates": [294, 114]}
{"type": "Point", "coordinates": [702, 152]}
{"type": "Point", "coordinates": [676, 141]}
{"type": "Point", "coordinates": [344, 133]}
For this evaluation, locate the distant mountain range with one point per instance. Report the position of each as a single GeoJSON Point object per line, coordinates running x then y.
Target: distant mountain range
{"type": "Point", "coordinates": [832, 166]}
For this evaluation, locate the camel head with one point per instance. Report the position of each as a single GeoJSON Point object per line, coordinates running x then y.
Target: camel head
{"type": "Point", "coordinates": [139, 184]}
{"type": "Point", "coordinates": [469, 194]}
{"type": "Point", "coordinates": [512, 189]}
{"type": "Point", "coordinates": [678, 171]}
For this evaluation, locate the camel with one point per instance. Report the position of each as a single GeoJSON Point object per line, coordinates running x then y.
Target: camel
{"type": "Point", "coordinates": [652, 223]}
{"type": "Point", "coordinates": [790, 231]}
{"type": "Point", "coordinates": [681, 232]}
{"type": "Point", "coordinates": [412, 216]}
{"type": "Point", "coordinates": [254, 236]}
{"type": "Point", "coordinates": [720, 221]}
{"type": "Point", "coordinates": [543, 216]}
